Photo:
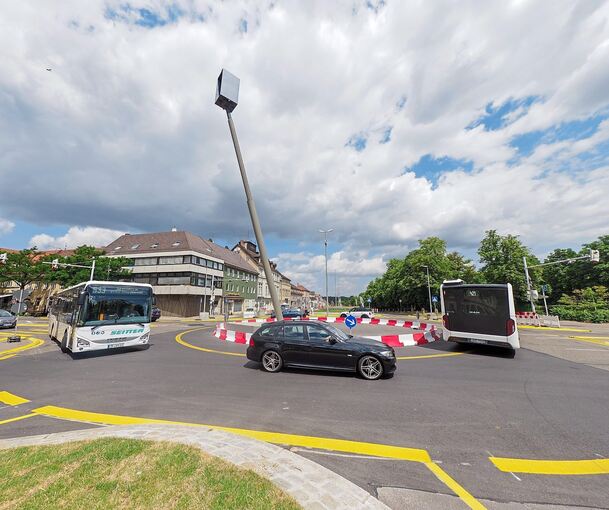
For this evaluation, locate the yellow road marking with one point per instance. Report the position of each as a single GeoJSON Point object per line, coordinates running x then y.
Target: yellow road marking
{"type": "Point", "coordinates": [35, 342]}
{"type": "Point", "coordinates": [442, 355]}
{"type": "Point", "coordinates": [591, 339]}
{"type": "Point", "coordinates": [18, 418]}
{"type": "Point", "coordinates": [554, 329]}
{"type": "Point", "coordinates": [12, 400]}
{"type": "Point", "coordinates": [450, 482]}
{"type": "Point", "coordinates": [186, 344]}
{"type": "Point", "coordinates": [180, 340]}
{"type": "Point", "coordinates": [320, 443]}
{"type": "Point", "coordinates": [552, 467]}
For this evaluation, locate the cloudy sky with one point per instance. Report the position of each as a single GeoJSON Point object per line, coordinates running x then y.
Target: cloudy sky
{"type": "Point", "coordinates": [388, 121]}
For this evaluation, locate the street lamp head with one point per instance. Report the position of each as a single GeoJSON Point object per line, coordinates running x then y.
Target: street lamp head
{"type": "Point", "coordinates": [227, 91]}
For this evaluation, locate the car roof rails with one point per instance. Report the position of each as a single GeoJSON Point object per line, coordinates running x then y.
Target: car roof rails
{"type": "Point", "coordinates": [452, 282]}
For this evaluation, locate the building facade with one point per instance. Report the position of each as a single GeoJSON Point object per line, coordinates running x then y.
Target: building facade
{"type": "Point", "coordinates": [185, 273]}
{"type": "Point", "coordinates": [248, 251]}
{"type": "Point", "coordinates": [285, 289]}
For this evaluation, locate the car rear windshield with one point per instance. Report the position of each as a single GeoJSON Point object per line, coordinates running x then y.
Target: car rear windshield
{"type": "Point", "coordinates": [472, 309]}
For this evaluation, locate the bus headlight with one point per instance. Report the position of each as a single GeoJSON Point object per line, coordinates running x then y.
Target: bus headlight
{"type": "Point", "coordinates": [81, 342]}
{"type": "Point", "coordinates": [145, 336]}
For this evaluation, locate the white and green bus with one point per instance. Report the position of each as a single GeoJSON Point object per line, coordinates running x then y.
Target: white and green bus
{"type": "Point", "coordinates": [101, 315]}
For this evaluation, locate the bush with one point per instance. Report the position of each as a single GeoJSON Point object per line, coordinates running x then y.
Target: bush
{"type": "Point", "coordinates": [581, 313]}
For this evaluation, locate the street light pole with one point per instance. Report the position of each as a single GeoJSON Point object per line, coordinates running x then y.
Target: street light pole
{"type": "Point", "coordinates": [529, 286]}
{"type": "Point", "coordinates": [325, 233]}
{"type": "Point", "coordinates": [227, 93]}
{"type": "Point", "coordinates": [429, 290]}
{"type": "Point", "coordinates": [92, 270]}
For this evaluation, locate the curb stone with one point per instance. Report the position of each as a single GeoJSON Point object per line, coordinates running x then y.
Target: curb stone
{"type": "Point", "coordinates": [311, 485]}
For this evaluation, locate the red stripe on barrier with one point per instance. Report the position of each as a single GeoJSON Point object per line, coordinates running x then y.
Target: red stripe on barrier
{"type": "Point", "coordinates": [407, 324]}
{"type": "Point", "coordinates": [391, 322]}
{"type": "Point", "coordinates": [375, 321]}
{"type": "Point", "coordinates": [392, 340]}
{"type": "Point", "coordinates": [239, 337]}
{"type": "Point", "coordinates": [340, 319]}
{"type": "Point", "coordinates": [222, 334]}
{"type": "Point", "coordinates": [419, 338]}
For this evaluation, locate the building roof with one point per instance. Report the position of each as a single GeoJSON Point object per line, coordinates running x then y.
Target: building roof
{"type": "Point", "coordinates": [175, 241]}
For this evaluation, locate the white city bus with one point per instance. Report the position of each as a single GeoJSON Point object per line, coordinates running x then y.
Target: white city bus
{"type": "Point", "coordinates": [101, 315]}
{"type": "Point", "coordinates": [479, 314]}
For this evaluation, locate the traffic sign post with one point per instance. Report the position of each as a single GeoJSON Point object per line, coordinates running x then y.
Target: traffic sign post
{"type": "Point", "coordinates": [350, 321]}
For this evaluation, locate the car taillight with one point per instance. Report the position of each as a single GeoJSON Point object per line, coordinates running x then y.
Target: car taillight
{"type": "Point", "coordinates": [510, 327]}
{"type": "Point", "coordinates": [251, 343]}
{"type": "Point", "coordinates": [445, 321]}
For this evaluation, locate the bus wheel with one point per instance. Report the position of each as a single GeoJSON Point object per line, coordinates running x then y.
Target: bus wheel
{"type": "Point", "coordinates": [64, 342]}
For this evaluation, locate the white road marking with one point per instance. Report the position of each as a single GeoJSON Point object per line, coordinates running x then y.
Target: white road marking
{"type": "Point", "coordinates": [515, 476]}
{"type": "Point", "coordinates": [584, 349]}
{"type": "Point", "coordinates": [334, 454]}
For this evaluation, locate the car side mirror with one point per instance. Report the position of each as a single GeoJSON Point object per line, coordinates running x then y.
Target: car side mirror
{"type": "Point", "coordinates": [153, 299]}
{"type": "Point", "coordinates": [331, 340]}
{"type": "Point", "coordinates": [81, 298]}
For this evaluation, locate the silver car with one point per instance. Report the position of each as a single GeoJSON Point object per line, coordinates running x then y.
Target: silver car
{"type": "Point", "coordinates": [7, 319]}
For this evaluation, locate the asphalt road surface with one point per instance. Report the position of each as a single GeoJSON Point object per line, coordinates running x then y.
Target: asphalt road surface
{"type": "Point", "coordinates": [461, 409]}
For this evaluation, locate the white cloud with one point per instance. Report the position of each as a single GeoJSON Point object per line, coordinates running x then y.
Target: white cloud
{"type": "Point", "coordinates": [6, 226]}
{"type": "Point", "coordinates": [123, 134]}
{"type": "Point", "coordinates": [76, 236]}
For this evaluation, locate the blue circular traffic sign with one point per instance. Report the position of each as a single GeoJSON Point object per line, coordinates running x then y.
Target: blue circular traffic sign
{"type": "Point", "coordinates": [350, 321]}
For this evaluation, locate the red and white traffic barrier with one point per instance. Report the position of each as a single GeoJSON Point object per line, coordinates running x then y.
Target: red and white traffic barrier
{"type": "Point", "coordinates": [405, 340]}
{"type": "Point", "coordinates": [374, 322]}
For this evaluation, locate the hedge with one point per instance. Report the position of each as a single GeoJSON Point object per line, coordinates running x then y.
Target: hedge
{"type": "Point", "coordinates": [580, 313]}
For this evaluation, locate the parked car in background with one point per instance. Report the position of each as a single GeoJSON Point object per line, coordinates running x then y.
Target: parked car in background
{"type": "Point", "coordinates": [289, 313]}
{"type": "Point", "coordinates": [156, 314]}
{"type": "Point", "coordinates": [249, 313]}
{"type": "Point", "coordinates": [7, 319]}
{"type": "Point", "coordinates": [359, 313]}
{"type": "Point", "coordinates": [302, 344]}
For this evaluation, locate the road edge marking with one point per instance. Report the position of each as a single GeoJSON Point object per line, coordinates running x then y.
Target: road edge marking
{"type": "Point", "coordinates": [322, 443]}
{"type": "Point", "coordinates": [451, 483]}
{"type": "Point", "coordinates": [34, 342]}
{"type": "Point", "coordinates": [552, 467]}
{"type": "Point", "coordinates": [23, 417]}
{"type": "Point", "coordinates": [181, 341]}
{"type": "Point", "coordinates": [442, 355]}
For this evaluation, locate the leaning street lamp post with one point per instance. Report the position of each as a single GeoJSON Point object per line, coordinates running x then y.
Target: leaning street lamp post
{"type": "Point", "coordinates": [227, 95]}
{"type": "Point", "coordinates": [429, 290]}
{"type": "Point", "coordinates": [325, 233]}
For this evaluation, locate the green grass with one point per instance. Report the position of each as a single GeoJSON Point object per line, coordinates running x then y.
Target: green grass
{"type": "Point", "coordinates": [130, 474]}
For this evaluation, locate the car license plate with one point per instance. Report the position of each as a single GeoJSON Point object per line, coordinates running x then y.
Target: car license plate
{"type": "Point", "coordinates": [476, 341]}
{"type": "Point", "coordinates": [111, 346]}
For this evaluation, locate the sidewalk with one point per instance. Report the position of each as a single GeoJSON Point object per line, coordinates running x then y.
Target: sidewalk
{"type": "Point", "coordinates": [313, 486]}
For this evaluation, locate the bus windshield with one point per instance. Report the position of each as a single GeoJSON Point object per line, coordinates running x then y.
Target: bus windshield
{"type": "Point", "coordinates": [116, 304]}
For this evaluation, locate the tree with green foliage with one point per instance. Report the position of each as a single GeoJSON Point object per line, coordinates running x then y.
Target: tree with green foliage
{"type": "Point", "coordinates": [23, 268]}
{"type": "Point", "coordinates": [502, 262]}
{"type": "Point", "coordinates": [406, 279]}
{"type": "Point", "coordinates": [106, 268]}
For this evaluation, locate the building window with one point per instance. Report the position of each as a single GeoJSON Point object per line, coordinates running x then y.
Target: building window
{"type": "Point", "coordinates": [146, 261]}
{"type": "Point", "coordinates": [117, 248]}
{"type": "Point", "coordinates": [177, 243]}
{"type": "Point", "coordinates": [171, 260]}
{"type": "Point", "coordinates": [154, 245]}
{"type": "Point", "coordinates": [174, 279]}
{"type": "Point", "coordinates": [135, 246]}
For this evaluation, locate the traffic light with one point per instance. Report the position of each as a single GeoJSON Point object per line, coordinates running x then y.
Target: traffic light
{"type": "Point", "coordinates": [3, 258]}
{"type": "Point", "coordinates": [595, 256]}
{"type": "Point", "coordinates": [55, 264]}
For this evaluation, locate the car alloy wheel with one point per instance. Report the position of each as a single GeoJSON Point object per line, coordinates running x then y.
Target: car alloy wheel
{"type": "Point", "coordinates": [271, 361]}
{"type": "Point", "coordinates": [370, 368]}
{"type": "Point", "coordinates": [365, 316]}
